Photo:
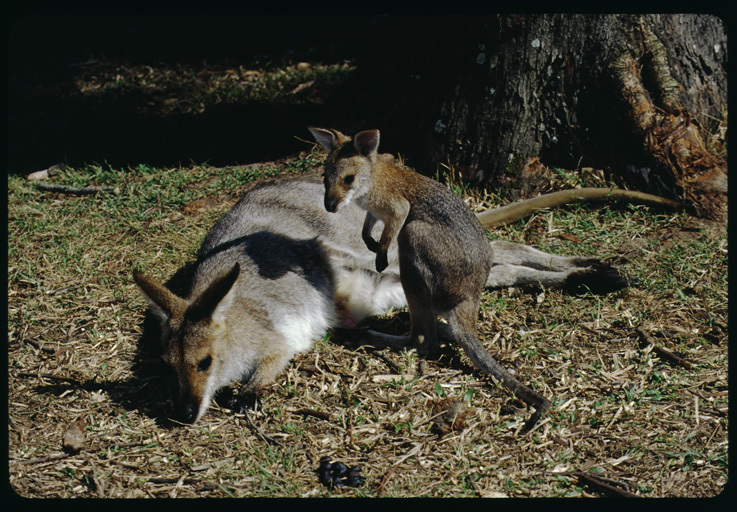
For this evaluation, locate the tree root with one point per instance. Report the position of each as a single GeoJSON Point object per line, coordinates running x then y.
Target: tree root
{"type": "Point", "coordinates": [668, 133]}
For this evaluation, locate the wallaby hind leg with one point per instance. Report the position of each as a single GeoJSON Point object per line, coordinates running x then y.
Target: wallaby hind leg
{"type": "Point", "coordinates": [520, 265]}
{"type": "Point", "coordinates": [597, 278]}
{"type": "Point", "coordinates": [462, 320]}
{"type": "Point", "coordinates": [423, 334]}
{"type": "Point", "coordinates": [526, 256]}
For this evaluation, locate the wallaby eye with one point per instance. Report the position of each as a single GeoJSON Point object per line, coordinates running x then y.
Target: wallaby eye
{"type": "Point", "coordinates": [349, 179]}
{"type": "Point", "coordinates": [204, 364]}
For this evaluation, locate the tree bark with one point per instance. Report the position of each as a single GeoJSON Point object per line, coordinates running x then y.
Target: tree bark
{"type": "Point", "coordinates": [491, 96]}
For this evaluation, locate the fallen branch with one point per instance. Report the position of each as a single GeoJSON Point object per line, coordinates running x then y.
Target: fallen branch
{"type": "Point", "coordinates": [391, 364]}
{"type": "Point", "coordinates": [42, 348]}
{"type": "Point", "coordinates": [312, 412]}
{"type": "Point", "coordinates": [413, 451]}
{"type": "Point", "coordinates": [663, 353]}
{"type": "Point", "coordinates": [79, 381]}
{"type": "Point", "coordinates": [60, 456]}
{"type": "Point", "coordinates": [351, 441]}
{"type": "Point", "coordinates": [516, 211]}
{"type": "Point", "coordinates": [77, 191]}
{"type": "Point", "coordinates": [600, 486]}
{"type": "Point", "coordinates": [261, 434]}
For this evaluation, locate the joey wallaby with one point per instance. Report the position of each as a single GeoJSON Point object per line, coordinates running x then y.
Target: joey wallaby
{"type": "Point", "coordinates": [278, 270]}
{"type": "Point", "coordinates": [444, 255]}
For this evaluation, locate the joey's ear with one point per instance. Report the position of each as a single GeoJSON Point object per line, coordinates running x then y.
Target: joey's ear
{"type": "Point", "coordinates": [162, 301]}
{"type": "Point", "coordinates": [328, 139]}
{"type": "Point", "coordinates": [367, 142]}
{"type": "Point", "coordinates": [214, 297]}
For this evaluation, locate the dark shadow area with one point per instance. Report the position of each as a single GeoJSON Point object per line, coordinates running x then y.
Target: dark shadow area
{"type": "Point", "coordinates": [275, 255]}
{"type": "Point", "coordinates": [53, 119]}
{"type": "Point", "coordinates": [69, 102]}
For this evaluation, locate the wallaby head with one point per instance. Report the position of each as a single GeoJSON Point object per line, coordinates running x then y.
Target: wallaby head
{"type": "Point", "coordinates": [349, 165]}
{"type": "Point", "coordinates": [191, 333]}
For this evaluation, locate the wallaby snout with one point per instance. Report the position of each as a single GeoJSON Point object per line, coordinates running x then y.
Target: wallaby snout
{"type": "Point", "coordinates": [187, 412]}
{"type": "Point", "coordinates": [331, 204]}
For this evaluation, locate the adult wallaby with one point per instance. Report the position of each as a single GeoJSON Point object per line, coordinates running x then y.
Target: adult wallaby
{"type": "Point", "coordinates": [278, 270]}
{"type": "Point", "coordinates": [444, 255]}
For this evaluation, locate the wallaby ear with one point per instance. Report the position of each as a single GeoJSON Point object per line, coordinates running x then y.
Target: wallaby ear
{"type": "Point", "coordinates": [328, 139]}
{"type": "Point", "coordinates": [214, 297]}
{"type": "Point", "coordinates": [367, 142]}
{"type": "Point", "coordinates": [162, 301]}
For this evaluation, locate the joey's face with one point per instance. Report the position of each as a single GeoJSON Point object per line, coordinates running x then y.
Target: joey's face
{"type": "Point", "coordinates": [345, 179]}
{"type": "Point", "coordinates": [349, 165]}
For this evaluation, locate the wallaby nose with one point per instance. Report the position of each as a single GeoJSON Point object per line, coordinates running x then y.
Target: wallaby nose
{"type": "Point", "coordinates": [331, 204]}
{"type": "Point", "coordinates": [189, 413]}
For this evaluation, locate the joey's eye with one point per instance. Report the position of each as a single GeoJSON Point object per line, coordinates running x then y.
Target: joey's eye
{"type": "Point", "coordinates": [204, 365]}
{"type": "Point", "coordinates": [349, 179]}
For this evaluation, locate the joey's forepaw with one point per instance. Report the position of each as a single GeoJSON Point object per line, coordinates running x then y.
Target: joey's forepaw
{"type": "Point", "coordinates": [381, 262]}
{"type": "Point", "coordinates": [372, 244]}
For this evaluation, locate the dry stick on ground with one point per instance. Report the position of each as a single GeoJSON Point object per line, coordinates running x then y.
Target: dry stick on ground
{"type": "Point", "coordinates": [391, 364]}
{"type": "Point", "coordinates": [207, 486]}
{"type": "Point", "coordinates": [77, 191]}
{"type": "Point", "coordinates": [42, 348]}
{"type": "Point", "coordinates": [413, 451]}
{"type": "Point", "coordinates": [312, 412]}
{"type": "Point", "coordinates": [52, 458]}
{"type": "Point", "coordinates": [600, 486]}
{"type": "Point", "coordinates": [515, 211]}
{"type": "Point", "coordinates": [662, 352]}
{"type": "Point", "coordinates": [599, 483]}
{"type": "Point", "coordinates": [79, 381]}
{"type": "Point", "coordinates": [351, 442]}
{"type": "Point", "coordinates": [263, 436]}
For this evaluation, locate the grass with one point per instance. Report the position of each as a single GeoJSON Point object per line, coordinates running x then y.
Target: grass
{"type": "Point", "coordinates": [74, 323]}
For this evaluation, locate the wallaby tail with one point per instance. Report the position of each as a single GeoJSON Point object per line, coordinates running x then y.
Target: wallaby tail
{"type": "Point", "coordinates": [485, 362]}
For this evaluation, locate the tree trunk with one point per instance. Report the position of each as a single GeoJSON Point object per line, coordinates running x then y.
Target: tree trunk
{"type": "Point", "coordinates": [492, 97]}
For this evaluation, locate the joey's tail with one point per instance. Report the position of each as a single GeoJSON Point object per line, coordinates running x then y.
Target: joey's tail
{"type": "Point", "coordinates": [483, 360]}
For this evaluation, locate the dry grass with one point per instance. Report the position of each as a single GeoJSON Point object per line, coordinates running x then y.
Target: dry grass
{"type": "Point", "coordinates": [88, 408]}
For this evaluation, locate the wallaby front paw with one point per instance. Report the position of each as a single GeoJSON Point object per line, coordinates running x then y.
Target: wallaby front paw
{"type": "Point", "coordinates": [381, 262]}
{"type": "Point", "coordinates": [372, 244]}
{"type": "Point", "coordinates": [237, 402]}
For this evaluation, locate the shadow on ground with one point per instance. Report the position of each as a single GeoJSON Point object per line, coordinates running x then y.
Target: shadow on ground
{"type": "Point", "coordinates": [50, 120]}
